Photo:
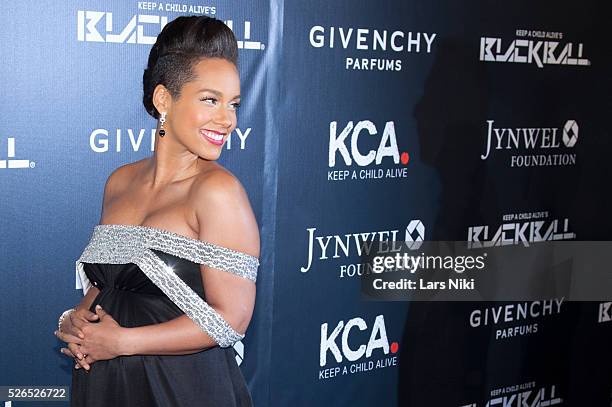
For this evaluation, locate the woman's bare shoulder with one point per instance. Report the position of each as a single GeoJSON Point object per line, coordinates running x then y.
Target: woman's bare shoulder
{"type": "Point", "coordinates": [120, 178]}
{"type": "Point", "coordinates": [218, 188]}
{"type": "Point", "coordinates": [216, 185]}
{"type": "Point", "coordinates": [223, 212]}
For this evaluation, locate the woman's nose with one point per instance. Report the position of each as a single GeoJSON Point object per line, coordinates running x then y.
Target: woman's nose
{"type": "Point", "coordinates": [223, 117]}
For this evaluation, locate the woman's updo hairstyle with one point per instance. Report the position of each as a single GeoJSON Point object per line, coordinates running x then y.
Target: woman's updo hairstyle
{"type": "Point", "coordinates": [180, 45]}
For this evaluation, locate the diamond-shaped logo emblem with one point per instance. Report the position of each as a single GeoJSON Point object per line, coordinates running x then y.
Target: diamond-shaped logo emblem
{"type": "Point", "coordinates": [570, 133]}
{"type": "Point", "coordinates": [415, 234]}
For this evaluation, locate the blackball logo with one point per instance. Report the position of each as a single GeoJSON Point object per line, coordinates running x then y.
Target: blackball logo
{"type": "Point", "coordinates": [387, 146]}
{"type": "Point", "coordinates": [605, 312]}
{"type": "Point", "coordinates": [519, 233]}
{"type": "Point", "coordinates": [11, 162]}
{"type": "Point", "coordinates": [91, 23]}
{"type": "Point", "coordinates": [535, 52]}
{"type": "Point", "coordinates": [522, 395]}
{"type": "Point", "coordinates": [132, 33]}
{"type": "Point", "coordinates": [377, 340]}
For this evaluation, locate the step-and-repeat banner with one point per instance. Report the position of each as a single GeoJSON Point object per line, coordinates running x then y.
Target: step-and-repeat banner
{"type": "Point", "coordinates": [485, 123]}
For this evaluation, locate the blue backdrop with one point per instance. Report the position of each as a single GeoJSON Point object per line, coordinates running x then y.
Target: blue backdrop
{"type": "Point", "coordinates": [360, 120]}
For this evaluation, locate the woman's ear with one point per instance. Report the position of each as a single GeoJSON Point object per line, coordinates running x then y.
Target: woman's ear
{"type": "Point", "coordinates": [162, 100]}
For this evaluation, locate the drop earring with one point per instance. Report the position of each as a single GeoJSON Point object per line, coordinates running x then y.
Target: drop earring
{"type": "Point", "coordinates": [162, 120]}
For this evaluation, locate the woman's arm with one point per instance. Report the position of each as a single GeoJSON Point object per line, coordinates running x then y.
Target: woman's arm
{"type": "Point", "coordinates": [70, 330]}
{"type": "Point", "coordinates": [224, 217]}
{"type": "Point", "coordinates": [88, 299]}
{"type": "Point", "coordinates": [179, 336]}
{"type": "Point", "coordinates": [72, 324]}
{"type": "Point", "coordinates": [182, 335]}
{"type": "Point", "coordinates": [71, 327]}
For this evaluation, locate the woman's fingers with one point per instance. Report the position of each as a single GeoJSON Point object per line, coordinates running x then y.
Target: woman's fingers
{"type": "Point", "coordinates": [91, 316]}
{"type": "Point", "coordinates": [74, 349]}
{"type": "Point", "coordinates": [69, 353]}
{"type": "Point", "coordinates": [82, 359]}
{"type": "Point", "coordinates": [77, 320]}
{"type": "Point", "coordinates": [66, 337]}
{"type": "Point", "coordinates": [73, 335]}
{"type": "Point", "coordinates": [86, 315]}
{"type": "Point", "coordinates": [83, 316]}
{"type": "Point", "coordinates": [79, 358]}
{"type": "Point", "coordinates": [80, 322]}
{"type": "Point", "coordinates": [73, 329]}
{"type": "Point", "coordinates": [69, 327]}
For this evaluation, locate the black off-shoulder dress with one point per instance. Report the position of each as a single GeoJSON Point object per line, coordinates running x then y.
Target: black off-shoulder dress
{"type": "Point", "coordinates": [137, 270]}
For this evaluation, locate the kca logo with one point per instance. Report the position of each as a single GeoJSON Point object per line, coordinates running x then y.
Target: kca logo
{"type": "Point", "coordinates": [377, 340]}
{"type": "Point", "coordinates": [387, 146]}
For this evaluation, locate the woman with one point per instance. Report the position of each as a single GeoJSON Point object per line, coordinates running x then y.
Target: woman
{"type": "Point", "coordinates": [169, 273]}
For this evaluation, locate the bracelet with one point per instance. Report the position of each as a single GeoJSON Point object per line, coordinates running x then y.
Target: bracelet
{"type": "Point", "coordinates": [63, 316]}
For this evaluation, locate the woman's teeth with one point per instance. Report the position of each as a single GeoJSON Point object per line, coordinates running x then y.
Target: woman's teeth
{"type": "Point", "coordinates": [213, 136]}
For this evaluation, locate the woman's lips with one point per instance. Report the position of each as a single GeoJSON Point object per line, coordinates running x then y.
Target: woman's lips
{"type": "Point", "coordinates": [213, 136]}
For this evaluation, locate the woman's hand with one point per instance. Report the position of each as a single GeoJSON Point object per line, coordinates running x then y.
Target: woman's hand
{"type": "Point", "coordinates": [71, 331]}
{"type": "Point", "coordinates": [75, 321]}
{"type": "Point", "coordinates": [101, 341]}
{"type": "Point", "coordinates": [82, 362]}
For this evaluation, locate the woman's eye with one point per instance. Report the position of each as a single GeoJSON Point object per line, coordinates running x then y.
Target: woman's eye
{"type": "Point", "coordinates": [214, 101]}
{"type": "Point", "coordinates": [209, 100]}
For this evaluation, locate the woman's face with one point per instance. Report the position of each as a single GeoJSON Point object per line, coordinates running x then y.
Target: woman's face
{"type": "Point", "coordinates": [204, 115]}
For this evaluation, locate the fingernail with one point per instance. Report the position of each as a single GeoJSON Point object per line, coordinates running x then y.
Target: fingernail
{"type": "Point", "coordinates": [62, 350]}
{"type": "Point", "coordinates": [76, 366]}
{"type": "Point", "coordinates": [79, 356]}
{"type": "Point", "coordinates": [98, 306]}
{"type": "Point", "coordinates": [55, 333]}
{"type": "Point", "coordinates": [81, 336]}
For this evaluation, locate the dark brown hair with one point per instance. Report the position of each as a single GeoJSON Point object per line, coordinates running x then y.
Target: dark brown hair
{"type": "Point", "coordinates": [180, 45]}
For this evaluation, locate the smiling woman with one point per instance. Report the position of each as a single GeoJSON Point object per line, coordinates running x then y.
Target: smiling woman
{"type": "Point", "coordinates": [169, 282]}
{"type": "Point", "coordinates": [202, 115]}
{"type": "Point", "coordinates": [197, 96]}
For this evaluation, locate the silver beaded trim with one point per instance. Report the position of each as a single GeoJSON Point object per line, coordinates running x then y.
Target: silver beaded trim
{"type": "Point", "coordinates": [209, 320]}
{"type": "Point", "coordinates": [134, 237]}
{"type": "Point", "coordinates": [122, 244]}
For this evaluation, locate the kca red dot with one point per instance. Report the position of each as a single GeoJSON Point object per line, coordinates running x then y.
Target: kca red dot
{"type": "Point", "coordinates": [394, 345]}
{"type": "Point", "coordinates": [405, 158]}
